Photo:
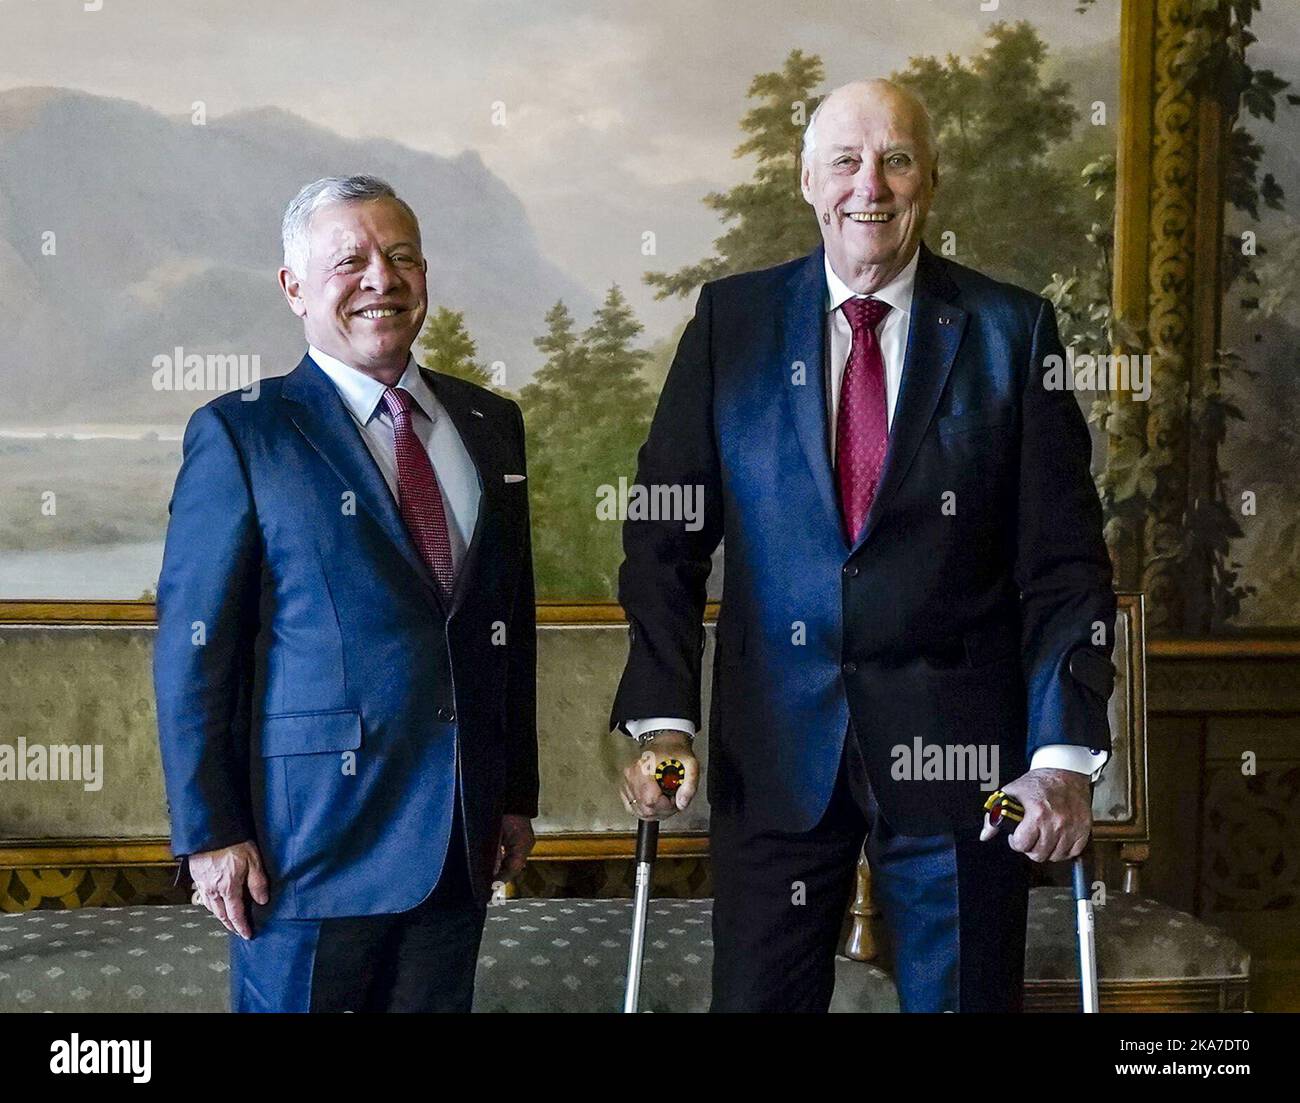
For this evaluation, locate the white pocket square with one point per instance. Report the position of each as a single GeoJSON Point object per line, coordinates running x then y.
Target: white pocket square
{"type": "Point", "coordinates": [515, 478]}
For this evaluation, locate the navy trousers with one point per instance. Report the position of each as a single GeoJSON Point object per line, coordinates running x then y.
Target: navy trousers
{"type": "Point", "coordinates": [954, 909]}
{"type": "Point", "coordinates": [418, 960]}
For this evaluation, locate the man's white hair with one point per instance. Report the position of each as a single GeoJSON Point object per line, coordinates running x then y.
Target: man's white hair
{"type": "Point", "coordinates": [295, 228]}
{"type": "Point", "coordinates": [927, 124]}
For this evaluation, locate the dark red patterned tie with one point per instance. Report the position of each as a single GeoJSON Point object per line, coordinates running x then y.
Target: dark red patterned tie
{"type": "Point", "coordinates": [418, 495]}
{"type": "Point", "coordinates": [862, 426]}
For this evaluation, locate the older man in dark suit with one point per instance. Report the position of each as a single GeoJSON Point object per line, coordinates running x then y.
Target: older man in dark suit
{"type": "Point", "coordinates": [917, 598]}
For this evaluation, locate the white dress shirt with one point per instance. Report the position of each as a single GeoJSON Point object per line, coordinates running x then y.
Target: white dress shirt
{"type": "Point", "coordinates": [457, 476]}
{"type": "Point", "coordinates": [892, 334]}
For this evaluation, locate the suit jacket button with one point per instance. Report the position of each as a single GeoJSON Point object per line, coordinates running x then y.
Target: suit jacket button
{"type": "Point", "coordinates": [850, 667]}
{"type": "Point", "coordinates": [851, 570]}
{"type": "Point", "coordinates": [446, 715]}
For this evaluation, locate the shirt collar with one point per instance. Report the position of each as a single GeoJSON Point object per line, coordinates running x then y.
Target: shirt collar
{"type": "Point", "coordinates": [362, 393]}
{"type": "Point", "coordinates": [897, 292]}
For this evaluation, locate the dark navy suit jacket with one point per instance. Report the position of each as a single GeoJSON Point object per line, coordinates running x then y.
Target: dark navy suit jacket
{"type": "Point", "coordinates": [961, 626]}
{"type": "Point", "coordinates": [316, 693]}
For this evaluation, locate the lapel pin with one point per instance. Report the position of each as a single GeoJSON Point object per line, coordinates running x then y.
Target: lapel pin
{"type": "Point", "coordinates": [476, 413]}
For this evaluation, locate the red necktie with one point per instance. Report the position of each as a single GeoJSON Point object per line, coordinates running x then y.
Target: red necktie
{"type": "Point", "coordinates": [862, 426]}
{"type": "Point", "coordinates": [418, 495]}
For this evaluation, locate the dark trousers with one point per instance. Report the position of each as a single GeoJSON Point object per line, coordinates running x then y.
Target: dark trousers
{"type": "Point", "coordinates": [954, 909]}
{"type": "Point", "coordinates": [418, 960]}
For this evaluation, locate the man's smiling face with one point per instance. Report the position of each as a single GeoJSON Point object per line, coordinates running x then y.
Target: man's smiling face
{"type": "Point", "coordinates": [870, 178]}
{"type": "Point", "coordinates": [363, 296]}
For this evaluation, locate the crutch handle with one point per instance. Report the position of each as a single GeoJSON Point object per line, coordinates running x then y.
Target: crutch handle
{"type": "Point", "coordinates": [1001, 807]}
{"type": "Point", "coordinates": [1080, 878]}
{"type": "Point", "coordinates": [669, 774]}
{"type": "Point", "coordinates": [647, 841]}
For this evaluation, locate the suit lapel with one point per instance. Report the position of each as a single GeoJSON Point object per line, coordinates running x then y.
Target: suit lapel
{"type": "Point", "coordinates": [802, 340]}
{"type": "Point", "coordinates": [484, 447]}
{"type": "Point", "coordinates": [321, 417]}
{"type": "Point", "coordinates": [934, 335]}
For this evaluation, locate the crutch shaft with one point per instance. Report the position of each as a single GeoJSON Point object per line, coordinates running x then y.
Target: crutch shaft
{"type": "Point", "coordinates": [1087, 938]}
{"type": "Point", "coordinates": [647, 841]}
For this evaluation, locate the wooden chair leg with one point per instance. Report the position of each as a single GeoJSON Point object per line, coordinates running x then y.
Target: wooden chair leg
{"type": "Point", "coordinates": [1133, 855]}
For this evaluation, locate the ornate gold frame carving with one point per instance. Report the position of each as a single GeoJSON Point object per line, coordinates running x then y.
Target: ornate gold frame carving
{"type": "Point", "coordinates": [58, 611]}
{"type": "Point", "coordinates": [1172, 259]}
{"type": "Point", "coordinates": [1170, 184]}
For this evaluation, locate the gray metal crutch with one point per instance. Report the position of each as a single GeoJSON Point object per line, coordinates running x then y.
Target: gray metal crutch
{"type": "Point", "coordinates": [1001, 807]}
{"type": "Point", "coordinates": [670, 774]}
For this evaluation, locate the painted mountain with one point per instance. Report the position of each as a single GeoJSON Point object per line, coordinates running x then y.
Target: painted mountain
{"type": "Point", "coordinates": [166, 234]}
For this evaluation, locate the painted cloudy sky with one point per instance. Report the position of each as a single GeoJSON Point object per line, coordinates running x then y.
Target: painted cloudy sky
{"type": "Point", "coordinates": [620, 115]}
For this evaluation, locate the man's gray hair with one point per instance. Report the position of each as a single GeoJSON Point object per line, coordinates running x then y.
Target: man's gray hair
{"type": "Point", "coordinates": [296, 226]}
{"type": "Point", "coordinates": [927, 123]}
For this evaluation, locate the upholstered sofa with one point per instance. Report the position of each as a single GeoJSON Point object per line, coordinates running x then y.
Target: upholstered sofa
{"type": "Point", "coordinates": [80, 674]}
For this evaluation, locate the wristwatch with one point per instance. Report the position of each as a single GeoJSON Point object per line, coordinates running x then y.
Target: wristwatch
{"type": "Point", "coordinates": [646, 736]}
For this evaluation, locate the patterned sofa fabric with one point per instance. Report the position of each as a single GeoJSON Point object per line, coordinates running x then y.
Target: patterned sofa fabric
{"type": "Point", "coordinates": [1137, 939]}
{"type": "Point", "coordinates": [553, 955]}
{"type": "Point", "coordinates": [91, 687]}
{"type": "Point", "coordinates": [160, 959]}
{"type": "Point", "coordinates": [537, 955]}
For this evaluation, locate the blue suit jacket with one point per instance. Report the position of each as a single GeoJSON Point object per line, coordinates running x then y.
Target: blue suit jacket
{"type": "Point", "coordinates": [315, 692]}
{"type": "Point", "coordinates": [961, 626]}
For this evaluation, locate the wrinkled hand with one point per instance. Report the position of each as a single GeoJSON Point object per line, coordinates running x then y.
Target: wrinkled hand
{"type": "Point", "coordinates": [641, 793]}
{"type": "Point", "coordinates": [220, 878]}
{"type": "Point", "coordinates": [1058, 814]}
{"type": "Point", "coordinates": [516, 844]}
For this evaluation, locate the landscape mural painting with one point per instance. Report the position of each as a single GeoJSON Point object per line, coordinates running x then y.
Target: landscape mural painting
{"type": "Point", "coordinates": [1260, 583]}
{"type": "Point", "coordinates": [578, 171]}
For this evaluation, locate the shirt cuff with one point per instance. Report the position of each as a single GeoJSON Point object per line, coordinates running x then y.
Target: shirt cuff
{"type": "Point", "coordinates": [673, 723]}
{"type": "Point", "coordinates": [1069, 756]}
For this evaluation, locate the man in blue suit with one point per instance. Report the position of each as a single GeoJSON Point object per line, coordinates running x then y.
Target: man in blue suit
{"type": "Point", "coordinates": [917, 599]}
{"type": "Point", "coordinates": [346, 653]}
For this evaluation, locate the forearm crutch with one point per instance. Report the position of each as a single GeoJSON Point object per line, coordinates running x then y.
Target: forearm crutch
{"type": "Point", "coordinates": [1001, 807]}
{"type": "Point", "coordinates": [669, 774]}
